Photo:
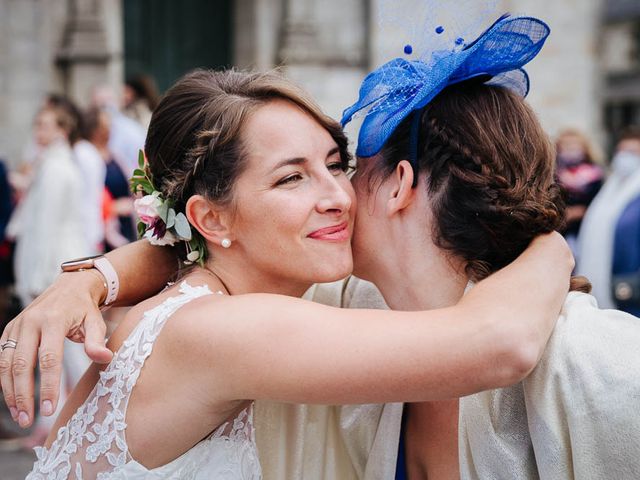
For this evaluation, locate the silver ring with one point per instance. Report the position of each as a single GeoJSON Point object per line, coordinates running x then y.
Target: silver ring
{"type": "Point", "coordinates": [9, 344]}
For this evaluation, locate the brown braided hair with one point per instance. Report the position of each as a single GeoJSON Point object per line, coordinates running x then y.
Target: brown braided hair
{"type": "Point", "coordinates": [194, 143]}
{"type": "Point", "coordinates": [489, 171]}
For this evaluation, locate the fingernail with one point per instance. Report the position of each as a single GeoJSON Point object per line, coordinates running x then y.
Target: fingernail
{"type": "Point", "coordinates": [23, 419]}
{"type": "Point", "coordinates": [14, 413]}
{"type": "Point", "coordinates": [47, 408]}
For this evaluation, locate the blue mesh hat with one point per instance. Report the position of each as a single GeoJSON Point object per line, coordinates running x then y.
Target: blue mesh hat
{"type": "Point", "coordinates": [390, 93]}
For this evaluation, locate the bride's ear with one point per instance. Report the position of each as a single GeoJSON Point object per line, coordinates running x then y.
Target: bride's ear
{"type": "Point", "coordinates": [214, 224]}
{"type": "Point", "coordinates": [401, 194]}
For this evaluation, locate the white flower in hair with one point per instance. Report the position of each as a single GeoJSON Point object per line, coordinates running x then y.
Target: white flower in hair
{"type": "Point", "coordinates": [167, 239]}
{"type": "Point", "coordinates": [147, 208]}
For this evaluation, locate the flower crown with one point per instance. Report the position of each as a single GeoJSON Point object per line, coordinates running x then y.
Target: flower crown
{"type": "Point", "coordinates": [159, 223]}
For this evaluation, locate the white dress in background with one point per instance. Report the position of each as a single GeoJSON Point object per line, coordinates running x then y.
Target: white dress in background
{"type": "Point", "coordinates": [48, 224]}
{"type": "Point", "coordinates": [94, 171]}
{"type": "Point", "coordinates": [93, 443]}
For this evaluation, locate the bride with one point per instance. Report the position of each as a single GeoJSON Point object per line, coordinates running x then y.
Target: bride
{"type": "Point", "coordinates": [260, 174]}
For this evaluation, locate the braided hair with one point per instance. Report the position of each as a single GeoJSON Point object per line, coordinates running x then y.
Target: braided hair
{"type": "Point", "coordinates": [488, 167]}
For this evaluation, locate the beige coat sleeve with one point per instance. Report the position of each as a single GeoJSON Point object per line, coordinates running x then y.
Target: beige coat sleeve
{"type": "Point", "coordinates": [574, 417]}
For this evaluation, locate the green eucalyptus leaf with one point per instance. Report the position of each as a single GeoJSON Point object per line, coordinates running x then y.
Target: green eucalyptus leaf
{"type": "Point", "coordinates": [163, 211]}
{"type": "Point", "coordinates": [182, 227]}
{"type": "Point", "coordinates": [171, 218]}
{"type": "Point", "coordinates": [141, 229]}
{"type": "Point", "coordinates": [140, 158]}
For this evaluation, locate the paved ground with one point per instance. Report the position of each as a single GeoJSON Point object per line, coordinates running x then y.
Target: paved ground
{"type": "Point", "coordinates": [14, 463]}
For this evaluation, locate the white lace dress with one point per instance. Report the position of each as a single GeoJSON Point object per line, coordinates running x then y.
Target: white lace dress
{"type": "Point", "coordinates": [93, 443]}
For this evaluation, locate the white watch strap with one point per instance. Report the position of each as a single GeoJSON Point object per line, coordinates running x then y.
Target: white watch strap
{"type": "Point", "coordinates": [111, 277]}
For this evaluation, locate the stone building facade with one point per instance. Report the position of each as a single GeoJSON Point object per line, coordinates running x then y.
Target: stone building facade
{"type": "Point", "coordinates": [620, 63]}
{"type": "Point", "coordinates": [584, 78]}
{"type": "Point", "coordinates": [62, 46]}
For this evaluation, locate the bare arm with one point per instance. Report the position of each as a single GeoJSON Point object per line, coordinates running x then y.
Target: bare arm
{"type": "Point", "coordinates": [280, 348]}
{"type": "Point", "coordinates": [534, 286]}
{"type": "Point", "coordinates": [70, 308]}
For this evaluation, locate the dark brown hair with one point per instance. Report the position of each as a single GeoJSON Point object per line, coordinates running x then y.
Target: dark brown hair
{"type": "Point", "coordinates": [630, 133]}
{"type": "Point", "coordinates": [489, 171]}
{"type": "Point", "coordinates": [194, 143]}
{"type": "Point", "coordinates": [145, 88]}
{"type": "Point", "coordinates": [68, 116]}
{"type": "Point", "coordinates": [91, 121]}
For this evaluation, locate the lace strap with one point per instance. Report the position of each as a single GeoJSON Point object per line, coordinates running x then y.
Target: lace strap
{"type": "Point", "coordinates": [138, 346]}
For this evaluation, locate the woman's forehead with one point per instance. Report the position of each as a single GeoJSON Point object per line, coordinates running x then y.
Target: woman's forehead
{"type": "Point", "coordinates": [281, 129]}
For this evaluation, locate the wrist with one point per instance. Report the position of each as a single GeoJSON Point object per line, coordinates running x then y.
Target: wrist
{"type": "Point", "coordinates": [106, 273]}
{"type": "Point", "coordinates": [91, 281]}
{"type": "Point", "coordinates": [98, 288]}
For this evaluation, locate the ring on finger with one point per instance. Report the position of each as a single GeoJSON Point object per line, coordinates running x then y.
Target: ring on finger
{"type": "Point", "coordinates": [8, 344]}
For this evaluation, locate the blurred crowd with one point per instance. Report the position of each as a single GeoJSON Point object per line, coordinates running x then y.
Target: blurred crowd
{"type": "Point", "coordinates": [69, 197]}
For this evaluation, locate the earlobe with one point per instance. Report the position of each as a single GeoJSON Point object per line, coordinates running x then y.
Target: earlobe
{"type": "Point", "coordinates": [210, 222]}
{"type": "Point", "coordinates": [402, 193]}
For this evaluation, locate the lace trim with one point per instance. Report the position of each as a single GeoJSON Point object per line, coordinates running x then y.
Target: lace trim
{"type": "Point", "coordinates": [116, 382]}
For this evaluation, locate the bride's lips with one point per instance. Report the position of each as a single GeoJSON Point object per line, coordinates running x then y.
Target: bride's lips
{"type": "Point", "coordinates": [336, 233]}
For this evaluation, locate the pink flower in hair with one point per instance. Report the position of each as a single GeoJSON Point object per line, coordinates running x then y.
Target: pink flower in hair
{"type": "Point", "coordinates": [147, 209]}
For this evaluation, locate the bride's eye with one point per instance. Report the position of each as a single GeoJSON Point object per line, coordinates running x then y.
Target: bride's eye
{"type": "Point", "coordinates": [289, 179]}
{"type": "Point", "coordinates": [336, 167]}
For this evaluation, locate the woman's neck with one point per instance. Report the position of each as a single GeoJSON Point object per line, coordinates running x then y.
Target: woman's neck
{"type": "Point", "coordinates": [239, 279]}
{"type": "Point", "coordinates": [422, 283]}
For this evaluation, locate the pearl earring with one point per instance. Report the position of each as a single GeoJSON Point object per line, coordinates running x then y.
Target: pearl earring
{"type": "Point", "coordinates": [226, 243]}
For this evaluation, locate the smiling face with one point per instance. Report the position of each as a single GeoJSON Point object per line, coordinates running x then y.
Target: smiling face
{"type": "Point", "coordinates": [293, 205]}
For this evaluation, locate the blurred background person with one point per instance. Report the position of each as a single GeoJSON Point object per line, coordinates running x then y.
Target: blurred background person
{"type": "Point", "coordinates": [580, 177]}
{"type": "Point", "coordinates": [126, 136]}
{"type": "Point", "coordinates": [117, 200]}
{"type": "Point", "coordinates": [596, 244]}
{"type": "Point", "coordinates": [48, 229]}
{"type": "Point", "coordinates": [626, 251]}
{"type": "Point", "coordinates": [139, 98]}
{"type": "Point", "coordinates": [92, 170]}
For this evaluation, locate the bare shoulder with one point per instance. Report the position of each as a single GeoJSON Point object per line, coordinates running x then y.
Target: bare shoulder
{"type": "Point", "coordinates": [221, 318]}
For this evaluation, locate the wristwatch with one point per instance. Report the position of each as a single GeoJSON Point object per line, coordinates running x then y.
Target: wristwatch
{"type": "Point", "coordinates": [100, 263]}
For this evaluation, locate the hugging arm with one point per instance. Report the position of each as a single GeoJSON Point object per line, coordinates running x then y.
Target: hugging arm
{"type": "Point", "coordinates": [69, 308]}
{"type": "Point", "coordinates": [310, 353]}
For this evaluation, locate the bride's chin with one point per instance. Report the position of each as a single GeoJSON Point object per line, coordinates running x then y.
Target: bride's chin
{"type": "Point", "coordinates": [339, 272]}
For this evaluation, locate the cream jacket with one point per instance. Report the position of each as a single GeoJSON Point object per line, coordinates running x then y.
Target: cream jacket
{"type": "Point", "coordinates": [317, 442]}
{"type": "Point", "coordinates": [576, 416]}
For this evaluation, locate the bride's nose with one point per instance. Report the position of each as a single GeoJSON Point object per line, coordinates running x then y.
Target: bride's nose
{"type": "Point", "coordinates": [334, 196]}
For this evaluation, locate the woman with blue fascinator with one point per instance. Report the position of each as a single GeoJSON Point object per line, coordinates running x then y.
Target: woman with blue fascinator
{"type": "Point", "coordinates": [454, 165]}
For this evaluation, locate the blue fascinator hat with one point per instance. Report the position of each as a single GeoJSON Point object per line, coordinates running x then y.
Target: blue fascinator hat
{"type": "Point", "coordinates": [392, 92]}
